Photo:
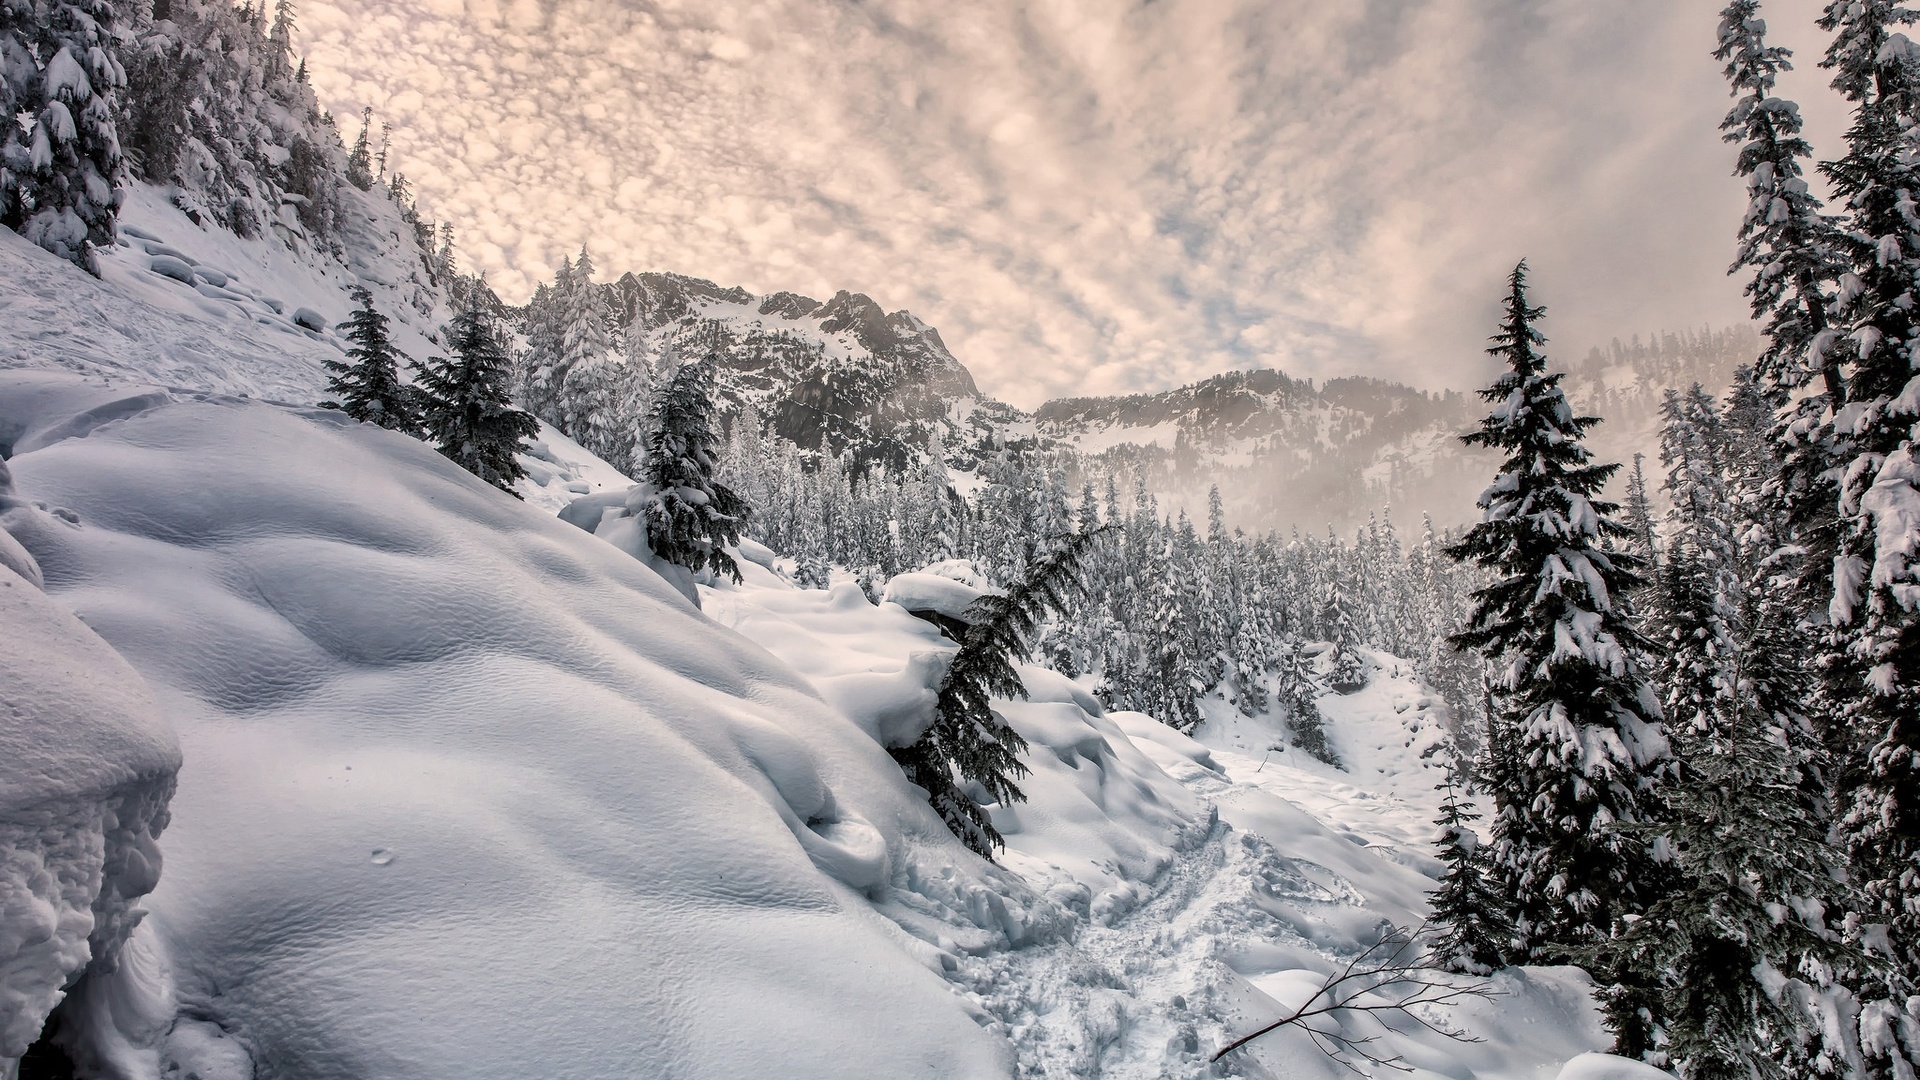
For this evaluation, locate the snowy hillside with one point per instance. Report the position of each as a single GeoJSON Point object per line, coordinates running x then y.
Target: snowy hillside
{"type": "Point", "coordinates": [468, 792]}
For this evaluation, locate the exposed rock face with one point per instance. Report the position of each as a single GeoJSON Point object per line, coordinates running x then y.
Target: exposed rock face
{"type": "Point", "coordinates": [838, 376]}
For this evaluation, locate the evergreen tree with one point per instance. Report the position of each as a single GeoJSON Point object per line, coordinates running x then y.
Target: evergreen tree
{"type": "Point", "coordinates": [1588, 742]}
{"type": "Point", "coordinates": [1872, 673]}
{"type": "Point", "coordinates": [61, 172]}
{"type": "Point", "coordinates": [1299, 693]}
{"type": "Point", "coordinates": [970, 756]}
{"type": "Point", "coordinates": [690, 515]}
{"type": "Point", "coordinates": [1347, 670]}
{"type": "Point", "coordinates": [596, 396]}
{"type": "Point", "coordinates": [360, 158]}
{"type": "Point", "coordinates": [1467, 908]}
{"type": "Point", "coordinates": [280, 41]}
{"type": "Point", "coordinates": [1784, 238]}
{"type": "Point", "coordinates": [465, 409]}
{"type": "Point", "coordinates": [369, 388]}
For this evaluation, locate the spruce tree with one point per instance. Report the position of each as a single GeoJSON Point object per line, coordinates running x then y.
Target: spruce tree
{"type": "Point", "coordinates": [369, 388]}
{"type": "Point", "coordinates": [1467, 909]}
{"type": "Point", "coordinates": [465, 409]}
{"type": "Point", "coordinates": [970, 755]}
{"type": "Point", "coordinates": [61, 172]}
{"type": "Point", "coordinates": [1299, 693]}
{"type": "Point", "coordinates": [1347, 669]}
{"type": "Point", "coordinates": [691, 516]}
{"type": "Point", "coordinates": [1588, 745]}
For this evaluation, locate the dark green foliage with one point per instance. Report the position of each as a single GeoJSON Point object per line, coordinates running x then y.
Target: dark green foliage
{"type": "Point", "coordinates": [369, 388]}
{"type": "Point", "coordinates": [1587, 741]}
{"type": "Point", "coordinates": [465, 408]}
{"type": "Point", "coordinates": [968, 746]}
{"type": "Point", "coordinates": [1469, 913]}
{"type": "Point", "coordinates": [690, 515]}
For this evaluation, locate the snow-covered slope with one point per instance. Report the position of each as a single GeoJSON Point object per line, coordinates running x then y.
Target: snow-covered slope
{"type": "Point", "coordinates": [469, 792]}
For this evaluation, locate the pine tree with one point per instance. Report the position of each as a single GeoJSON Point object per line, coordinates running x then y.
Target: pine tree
{"type": "Point", "coordinates": [369, 388]}
{"type": "Point", "coordinates": [690, 515]}
{"type": "Point", "coordinates": [1588, 742]}
{"type": "Point", "coordinates": [465, 409]}
{"type": "Point", "coordinates": [61, 173]}
{"type": "Point", "coordinates": [968, 743]}
{"type": "Point", "coordinates": [1468, 910]}
{"type": "Point", "coordinates": [280, 41]}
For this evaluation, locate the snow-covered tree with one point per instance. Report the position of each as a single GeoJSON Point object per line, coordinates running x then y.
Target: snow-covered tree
{"type": "Point", "coordinates": [1468, 910]}
{"type": "Point", "coordinates": [1872, 675]}
{"type": "Point", "coordinates": [597, 402]}
{"type": "Point", "coordinates": [1588, 741]}
{"type": "Point", "coordinates": [1298, 691]}
{"type": "Point", "coordinates": [969, 746]}
{"type": "Point", "coordinates": [1784, 238]}
{"type": "Point", "coordinates": [368, 385]}
{"type": "Point", "coordinates": [691, 516]}
{"type": "Point", "coordinates": [360, 158]}
{"type": "Point", "coordinates": [60, 164]}
{"type": "Point", "coordinates": [464, 405]}
{"type": "Point", "coordinates": [1346, 668]}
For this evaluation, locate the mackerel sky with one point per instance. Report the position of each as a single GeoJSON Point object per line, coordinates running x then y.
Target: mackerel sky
{"type": "Point", "coordinates": [1092, 197]}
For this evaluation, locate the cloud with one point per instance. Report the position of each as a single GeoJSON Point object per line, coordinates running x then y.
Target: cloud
{"type": "Point", "coordinates": [1085, 197]}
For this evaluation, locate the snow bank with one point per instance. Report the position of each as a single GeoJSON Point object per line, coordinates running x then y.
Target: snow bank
{"type": "Point", "coordinates": [472, 794]}
{"type": "Point", "coordinates": [1609, 1067]}
{"type": "Point", "coordinates": [86, 768]}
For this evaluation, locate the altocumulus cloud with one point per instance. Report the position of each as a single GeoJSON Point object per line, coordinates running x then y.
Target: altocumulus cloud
{"type": "Point", "coordinates": [1086, 197]}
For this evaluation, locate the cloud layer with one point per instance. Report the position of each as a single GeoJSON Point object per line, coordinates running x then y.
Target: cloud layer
{"type": "Point", "coordinates": [1086, 196]}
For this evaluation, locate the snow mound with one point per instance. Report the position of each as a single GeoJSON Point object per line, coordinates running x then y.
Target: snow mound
{"type": "Point", "coordinates": [472, 794]}
{"type": "Point", "coordinates": [931, 592]}
{"type": "Point", "coordinates": [1609, 1067]}
{"type": "Point", "coordinates": [86, 767]}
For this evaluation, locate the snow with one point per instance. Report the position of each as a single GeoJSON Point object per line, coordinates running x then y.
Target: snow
{"type": "Point", "coordinates": [86, 764]}
{"type": "Point", "coordinates": [612, 829]}
{"type": "Point", "coordinates": [472, 791]}
{"type": "Point", "coordinates": [1608, 1067]}
{"type": "Point", "coordinates": [931, 592]}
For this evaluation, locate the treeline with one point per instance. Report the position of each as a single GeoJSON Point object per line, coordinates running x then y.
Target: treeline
{"type": "Point", "coordinates": [1174, 611]}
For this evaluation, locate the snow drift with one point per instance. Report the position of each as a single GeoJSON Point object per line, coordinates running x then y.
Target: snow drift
{"type": "Point", "coordinates": [470, 793]}
{"type": "Point", "coordinates": [86, 769]}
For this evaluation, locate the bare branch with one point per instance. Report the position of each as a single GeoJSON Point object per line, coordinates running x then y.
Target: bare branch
{"type": "Point", "coordinates": [1388, 979]}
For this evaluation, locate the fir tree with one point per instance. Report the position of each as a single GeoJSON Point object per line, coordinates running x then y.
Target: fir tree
{"type": "Point", "coordinates": [1467, 909]}
{"type": "Point", "coordinates": [1588, 743]}
{"type": "Point", "coordinates": [596, 403]}
{"type": "Point", "coordinates": [968, 746]}
{"type": "Point", "coordinates": [369, 388]}
{"type": "Point", "coordinates": [690, 515]}
{"type": "Point", "coordinates": [60, 173]}
{"type": "Point", "coordinates": [465, 409]}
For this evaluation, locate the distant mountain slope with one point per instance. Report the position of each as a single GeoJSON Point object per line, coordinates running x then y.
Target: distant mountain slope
{"type": "Point", "coordinates": [843, 375]}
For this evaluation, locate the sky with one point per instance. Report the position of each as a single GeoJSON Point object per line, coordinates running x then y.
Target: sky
{"type": "Point", "coordinates": [1093, 197]}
